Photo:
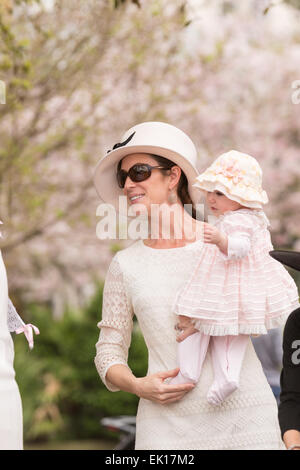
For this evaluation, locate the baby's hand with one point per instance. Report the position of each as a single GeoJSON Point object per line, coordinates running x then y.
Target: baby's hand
{"type": "Point", "coordinates": [211, 234]}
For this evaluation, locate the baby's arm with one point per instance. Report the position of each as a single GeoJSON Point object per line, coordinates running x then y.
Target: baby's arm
{"type": "Point", "coordinates": [234, 244]}
{"type": "Point", "coordinates": [215, 236]}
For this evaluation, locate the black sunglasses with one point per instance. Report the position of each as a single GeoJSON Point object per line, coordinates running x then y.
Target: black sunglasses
{"type": "Point", "coordinates": [138, 172]}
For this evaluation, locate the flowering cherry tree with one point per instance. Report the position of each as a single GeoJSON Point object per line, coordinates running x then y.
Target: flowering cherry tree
{"type": "Point", "coordinates": [79, 74]}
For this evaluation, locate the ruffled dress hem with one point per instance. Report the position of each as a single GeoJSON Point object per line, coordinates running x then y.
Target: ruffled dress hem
{"type": "Point", "coordinates": [242, 328]}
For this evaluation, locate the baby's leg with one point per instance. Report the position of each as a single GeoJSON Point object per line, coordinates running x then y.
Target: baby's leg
{"type": "Point", "coordinates": [191, 353]}
{"type": "Point", "coordinates": [227, 357]}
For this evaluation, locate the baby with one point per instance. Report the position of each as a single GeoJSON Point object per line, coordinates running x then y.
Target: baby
{"type": "Point", "coordinates": [236, 288]}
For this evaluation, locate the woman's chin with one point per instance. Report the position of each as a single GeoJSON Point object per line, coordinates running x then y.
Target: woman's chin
{"type": "Point", "coordinates": [138, 208]}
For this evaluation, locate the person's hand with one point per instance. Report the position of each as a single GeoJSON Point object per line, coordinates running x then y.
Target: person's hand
{"type": "Point", "coordinates": [154, 388]}
{"type": "Point", "coordinates": [214, 236]}
{"type": "Point", "coordinates": [184, 328]}
{"type": "Point", "coordinates": [211, 234]}
{"type": "Point", "coordinates": [292, 437]}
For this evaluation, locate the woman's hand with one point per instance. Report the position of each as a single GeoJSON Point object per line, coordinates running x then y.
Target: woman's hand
{"type": "Point", "coordinates": [184, 327]}
{"type": "Point", "coordinates": [153, 387]}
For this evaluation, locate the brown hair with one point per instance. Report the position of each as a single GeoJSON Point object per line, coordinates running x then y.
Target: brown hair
{"type": "Point", "coordinates": [182, 188]}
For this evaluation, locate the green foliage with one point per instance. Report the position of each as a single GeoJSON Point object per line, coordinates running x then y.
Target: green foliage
{"type": "Point", "coordinates": [62, 395]}
{"type": "Point", "coordinates": [115, 247]}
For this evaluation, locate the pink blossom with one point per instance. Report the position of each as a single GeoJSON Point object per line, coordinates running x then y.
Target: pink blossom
{"type": "Point", "coordinates": [231, 172]}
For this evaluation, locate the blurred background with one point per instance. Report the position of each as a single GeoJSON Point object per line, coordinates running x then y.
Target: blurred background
{"type": "Point", "coordinates": [77, 74]}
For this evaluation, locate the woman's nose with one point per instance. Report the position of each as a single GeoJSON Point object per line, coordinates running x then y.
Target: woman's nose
{"type": "Point", "coordinates": [128, 184]}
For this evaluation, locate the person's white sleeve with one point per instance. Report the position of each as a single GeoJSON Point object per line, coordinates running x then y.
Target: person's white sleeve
{"type": "Point", "coordinates": [239, 245]}
{"type": "Point", "coordinates": [116, 324]}
{"type": "Point", "coordinates": [14, 321]}
{"type": "Point", "coordinates": [239, 229]}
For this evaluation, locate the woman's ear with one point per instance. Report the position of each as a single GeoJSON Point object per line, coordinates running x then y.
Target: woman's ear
{"type": "Point", "coordinates": [175, 176]}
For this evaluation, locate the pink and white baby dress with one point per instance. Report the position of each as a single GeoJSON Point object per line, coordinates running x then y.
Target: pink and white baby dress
{"type": "Point", "coordinates": [244, 292]}
{"type": "Point", "coordinates": [229, 297]}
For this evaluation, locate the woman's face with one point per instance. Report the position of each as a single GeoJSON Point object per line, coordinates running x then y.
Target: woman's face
{"type": "Point", "coordinates": [219, 203]}
{"type": "Point", "coordinates": [153, 190]}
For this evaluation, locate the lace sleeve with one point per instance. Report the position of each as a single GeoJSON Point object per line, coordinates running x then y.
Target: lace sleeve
{"type": "Point", "coordinates": [16, 324]}
{"type": "Point", "coordinates": [116, 324]}
{"type": "Point", "coordinates": [14, 321]}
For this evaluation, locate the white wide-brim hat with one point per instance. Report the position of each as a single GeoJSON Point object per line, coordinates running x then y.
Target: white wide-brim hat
{"type": "Point", "coordinates": [158, 138]}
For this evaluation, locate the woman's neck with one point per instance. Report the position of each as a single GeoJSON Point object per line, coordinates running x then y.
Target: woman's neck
{"type": "Point", "coordinates": [173, 230]}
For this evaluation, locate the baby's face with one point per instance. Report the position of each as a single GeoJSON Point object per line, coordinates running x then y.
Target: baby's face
{"type": "Point", "coordinates": [219, 203]}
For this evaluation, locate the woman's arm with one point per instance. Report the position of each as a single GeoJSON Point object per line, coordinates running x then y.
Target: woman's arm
{"type": "Point", "coordinates": [121, 377]}
{"type": "Point", "coordinates": [116, 326]}
{"type": "Point", "coordinates": [114, 341]}
{"type": "Point", "coordinates": [151, 387]}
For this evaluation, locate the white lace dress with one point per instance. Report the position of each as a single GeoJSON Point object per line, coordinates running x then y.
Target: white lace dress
{"type": "Point", "coordinates": [144, 281]}
{"type": "Point", "coordinates": [11, 422]}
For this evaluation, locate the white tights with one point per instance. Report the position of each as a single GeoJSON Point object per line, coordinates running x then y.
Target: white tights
{"type": "Point", "coordinates": [227, 356]}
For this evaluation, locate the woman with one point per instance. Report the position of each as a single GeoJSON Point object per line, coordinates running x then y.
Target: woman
{"type": "Point", "coordinates": [11, 422]}
{"type": "Point", "coordinates": [143, 280]}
